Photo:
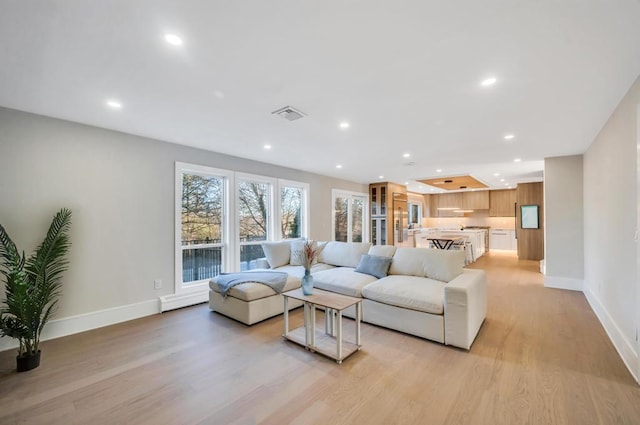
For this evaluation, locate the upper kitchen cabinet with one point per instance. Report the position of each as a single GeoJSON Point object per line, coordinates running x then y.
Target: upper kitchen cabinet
{"type": "Point", "coordinates": [478, 200]}
{"type": "Point", "coordinates": [502, 203]}
{"type": "Point", "coordinates": [443, 204]}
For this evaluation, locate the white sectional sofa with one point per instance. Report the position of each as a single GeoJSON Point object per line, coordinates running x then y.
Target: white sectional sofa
{"type": "Point", "coordinates": [425, 292]}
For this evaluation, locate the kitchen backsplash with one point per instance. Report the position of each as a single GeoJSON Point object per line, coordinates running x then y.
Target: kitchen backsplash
{"type": "Point", "coordinates": [478, 219]}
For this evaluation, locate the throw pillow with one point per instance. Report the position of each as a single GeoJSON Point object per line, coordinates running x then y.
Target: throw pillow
{"type": "Point", "coordinates": [374, 265]}
{"type": "Point", "coordinates": [277, 253]}
{"type": "Point", "coordinates": [296, 252]}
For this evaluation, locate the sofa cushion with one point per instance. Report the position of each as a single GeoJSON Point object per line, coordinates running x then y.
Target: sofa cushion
{"type": "Point", "coordinates": [409, 262]}
{"type": "Point", "coordinates": [439, 264]}
{"type": "Point", "coordinates": [374, 265]}
{"type": "Point", "coordinates": [277, 253]}
{"type": "Point", "coordinates": [382, 250]}
{"type": "Point", "coordinates": [412, 292]}
{"type": "Point", "coordinates": [342, 280]}
{"type": "Point", "coordinates": [343, 254]}
{"type": "Point", "coordinates": [251, 291]}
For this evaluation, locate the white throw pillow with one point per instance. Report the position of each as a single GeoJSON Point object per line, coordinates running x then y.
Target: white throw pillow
{"type": "Point", "coordinates": [277, 253]}
{"type": "Point", "coordinates": [296, 252]}
{"type": "Point", "coordinates": [409, 262]}
{"type": "Point", "coordinates": [382, 250]}
{"type": "Point", "coordinates": [344, 254]}
{"type": "Point", "coordinates": [438, 264]}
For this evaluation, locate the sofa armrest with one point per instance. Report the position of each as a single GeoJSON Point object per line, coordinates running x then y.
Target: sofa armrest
{"type": "Point", "coordinates": [465, 307]}
{"type": "Point", "coordinates": [262, 263]}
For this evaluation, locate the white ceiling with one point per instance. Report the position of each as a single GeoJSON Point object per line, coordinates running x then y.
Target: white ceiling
{"type": "Point", "coordinates": [405, 74]}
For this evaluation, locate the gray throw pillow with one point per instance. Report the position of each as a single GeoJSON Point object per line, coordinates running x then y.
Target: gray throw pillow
{"type": "Point", "coordinates": [374, 265]}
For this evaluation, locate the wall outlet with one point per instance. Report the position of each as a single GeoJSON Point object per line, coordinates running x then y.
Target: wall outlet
{"type": "Point", "coordinates": [157, 284]}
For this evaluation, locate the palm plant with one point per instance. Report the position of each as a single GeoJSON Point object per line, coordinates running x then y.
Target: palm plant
{"type": "Point", "coordinates": [32, 285]}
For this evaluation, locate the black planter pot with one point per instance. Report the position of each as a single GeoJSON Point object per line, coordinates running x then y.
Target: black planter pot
{"type": "Point", "coordinates": [28, 361]}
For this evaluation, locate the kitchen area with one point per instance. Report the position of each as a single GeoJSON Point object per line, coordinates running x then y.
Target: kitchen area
{"type": "Point", "coordinates": [487, 220]}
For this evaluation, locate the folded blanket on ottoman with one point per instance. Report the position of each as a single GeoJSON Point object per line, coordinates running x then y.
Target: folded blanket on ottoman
{"type": "Point", "coordinates": [274, 280]}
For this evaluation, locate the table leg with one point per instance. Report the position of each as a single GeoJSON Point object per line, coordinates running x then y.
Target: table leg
{"type": "Point", "coordinates": [313, 326]}
{"type": "Point", "coordinates": [339, 337]}
{"type": "Point", "coordinates": [286, 316]}
{"type": "Point", "coordinates": [306, 324]}
{"type": "Point", "coordinates": [358, 320]}
{"type": "Point", "coordinates": [326, 320]}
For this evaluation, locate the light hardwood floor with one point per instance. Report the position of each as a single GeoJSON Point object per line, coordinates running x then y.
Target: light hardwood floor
{"type": "Point", "coordinates": [541, 358]}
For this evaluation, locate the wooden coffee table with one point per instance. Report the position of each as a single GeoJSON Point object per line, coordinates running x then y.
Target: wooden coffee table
{"type": "Point", "coordinates": [329, 342]}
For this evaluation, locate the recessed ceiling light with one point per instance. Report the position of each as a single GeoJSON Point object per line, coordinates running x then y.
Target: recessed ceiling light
{"type": "Point", "coordinates": [114, 104]}
{"type": "Point", "coordinates": [509, 136]}
{"type": "Point", "coordinates": [506, 184]}
{"type": "Point", "coordinates": [406, 183]}
{"type": "Point", "coordinates": [173, 39]}
{"type": "Point", "coordinates": [501, 180]}
{"type": "Point", "coordinates": [406, 155]}
{"type": "Point", "coordinates": [344, 125]}
{"type": "Point", "coordinates": [432, 189]}
{"type": "Point", "coordinates": [338, 165]}
{"type": "Point", "coordinates": [439, 170]}
{"type": "Point", "coordinates": [380, 177]}
{"type": "Point", "coordinates": [267, 146]}
{"type": "Point", "coordinates": [489, 82]}
{"type": "Point", "coordinates": [496, 174]}
{"type": "Point", "coordinates": [517, 160]}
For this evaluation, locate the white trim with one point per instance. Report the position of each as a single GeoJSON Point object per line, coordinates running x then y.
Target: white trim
{"type": "Point", "coordinates": [564, 283]}
{"type": "Point", "coordinates": [85, 322]}
{"type": "Point", "coordinates": [174, 301]}
{"type": "Point", "coordinates": [624, 347]}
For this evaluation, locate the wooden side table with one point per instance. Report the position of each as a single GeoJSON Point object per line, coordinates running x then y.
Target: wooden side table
{"type": "Point", "coordinates": [329, 342]}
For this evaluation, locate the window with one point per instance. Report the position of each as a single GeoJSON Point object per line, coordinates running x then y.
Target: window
{"type": "Point", "coordinates": [350, 216]}
{"type": "Point", "coordinates": [254, 217]}
{"type": "Point", "coordinates": [293, 208]}
{"type": "Point", "coordinates": [201, 228]}
{"type": "Point", "coordinates": [222, 218]}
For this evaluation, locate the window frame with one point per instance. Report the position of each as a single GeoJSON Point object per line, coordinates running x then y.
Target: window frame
{"type": "Point", "coordinates": [350, 195]}
{"type": "Point", "coordinates": [182, 168]}
{"type": "Point", "coordinates": [230, 243]}
{"type": "Point", "coordinates": [253, 178]}
{"type": "Point", "coordinates": [304, 232]}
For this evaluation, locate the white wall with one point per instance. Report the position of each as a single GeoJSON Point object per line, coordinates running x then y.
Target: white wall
{"type": "Point", "coordinates": [121, 191]}
{"type": "Point", "coordinates": [564, 224]}
{"type": "Point", "coordinates": [610, 217]}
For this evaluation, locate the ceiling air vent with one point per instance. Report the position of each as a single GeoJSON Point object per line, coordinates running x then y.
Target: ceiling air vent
{"type": "Point", "coordinates": [290, 113]}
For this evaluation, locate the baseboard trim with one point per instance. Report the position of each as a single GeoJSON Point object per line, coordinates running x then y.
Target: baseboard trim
{"type": "Point", "coordinates": [85, 322]}
{"type": "Point", "coordinates": [564, 283]}
{"type": "Point", "coordinates": [623, 346]}
{"type": "Point", "coordinates": [174, 301]}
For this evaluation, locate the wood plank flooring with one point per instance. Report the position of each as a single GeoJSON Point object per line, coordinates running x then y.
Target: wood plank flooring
{"type": "Point", "coordinates": [541, 357]}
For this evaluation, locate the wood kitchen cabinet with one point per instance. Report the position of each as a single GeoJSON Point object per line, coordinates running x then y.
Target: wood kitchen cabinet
{"type": "Point", "coordinates": [442, 204]}
{"type": "Point", "coordinates": [381, 197]}
{"type": "Point", "coordinates": [478, 200]}
{"type": "Point", "coordinates": [502, 203]}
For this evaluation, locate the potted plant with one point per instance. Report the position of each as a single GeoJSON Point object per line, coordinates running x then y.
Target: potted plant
{"type": "Point", "coordinates": [32, 287]}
